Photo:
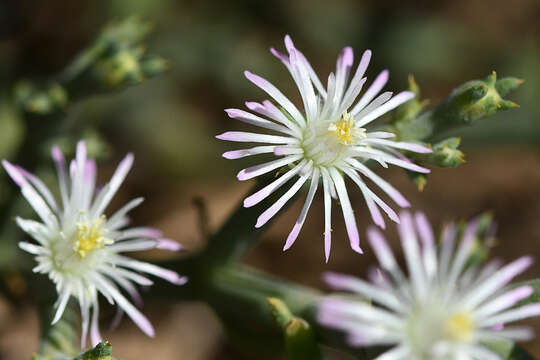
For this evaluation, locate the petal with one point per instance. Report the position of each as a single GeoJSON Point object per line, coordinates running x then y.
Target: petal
{"type": "Point", "coordinates": [348, 214]}
{"type": "Point", "coordinates": [237, 154]}
{"type": "Point", "coordinates": [272, 210]}
{"type": "Point", "coordinates": [256, 120]}
{"type": "Point", "coordinates": [303, 214]}
{"type": "Point", "coordinates": [371, 92]}
{"type": "Point", "coordinates": [386, 107]}
{"type": "Point", "coordinates": [277, 95]}
{"type": "Point", "coordinates": [273, 186]}
{"type": "Point", "coordinates": [264, 168]}
{"type": "Point", "coordinates": [241, 136]}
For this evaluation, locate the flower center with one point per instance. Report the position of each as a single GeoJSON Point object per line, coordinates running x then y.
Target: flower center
{"type": "Point", "coordinates": [90, 236]}
{"type": "Point", "coordinates": [460, 327]}
{"type": "Point", "coordinates": [345, 130]}
{"type": "Point", "coordinates": [327, 143]}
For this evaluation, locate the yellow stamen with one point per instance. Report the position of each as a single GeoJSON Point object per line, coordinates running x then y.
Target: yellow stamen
{"type": "Point", "coordinates": [346, 131]}
{"type": "Point", "coordinates": [90, 236]}
{"type": "Point", "coordinates": [460, 327]}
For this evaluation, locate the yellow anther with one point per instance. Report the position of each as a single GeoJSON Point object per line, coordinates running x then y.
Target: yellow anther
{"type": "Point", "coordinates": [460, 327]}
{"type": "Point", "coordinates": [90, 236]}
{"type": "Point", "coordinates": [346, 131]}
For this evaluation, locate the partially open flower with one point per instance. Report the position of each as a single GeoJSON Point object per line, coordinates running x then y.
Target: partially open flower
{"type": "Point", "coordinates": [80, 248]}
{"type": "Point", "coordinates": [327, 142]}
{"type": "Point", "coordinates": [443, 310]}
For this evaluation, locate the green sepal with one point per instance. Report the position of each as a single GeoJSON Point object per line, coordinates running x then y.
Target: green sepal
{"type": "Point", "coordinates": [446, 153]}
{"type": "Point", "coordinates": [406, 122]}
{"type": "Point", "coordinates": [508, 84]}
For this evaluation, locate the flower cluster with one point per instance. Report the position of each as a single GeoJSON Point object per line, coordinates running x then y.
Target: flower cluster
{"type": "Point", "coordinates": [327, 142]}
{"type": "Point", "coordinates": [447, 309]}
{"type": "Point", "coordinates": [80, 248]}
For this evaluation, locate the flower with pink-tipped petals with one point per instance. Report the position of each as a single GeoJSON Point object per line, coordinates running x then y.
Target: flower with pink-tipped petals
{"type": "Point", "coordinates": [324, 143]}
{"type": "Point", "coordinates": [80, 248]}
{"type": "Point", "coordinates": [445, 308]}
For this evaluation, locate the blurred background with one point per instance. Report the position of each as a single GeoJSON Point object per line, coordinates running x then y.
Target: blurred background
{"type": "Point", "coordinates": [170, 121]}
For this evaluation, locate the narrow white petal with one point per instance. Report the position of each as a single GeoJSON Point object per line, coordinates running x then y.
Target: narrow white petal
{"type": "Point", "coordinates": [152, 269]}
{"type": "Point", "coordinates": [386, 107]}
{"type": "Point", "coordinates": [327, 213]}
{"type": "Point", "coordinates": [138, 318]}
{"type": "Point", "coordinates": [504, 301]}
{"type": "Point", "coordinates": [497, 281]}
{"type": "Point", "coordinates": [379, 100]}
{"type": "Point", "coordinates": [383, 184]}
{"type": "Point", "coordinates": [371, 92]}
{"type": "Point", "coordinates": [303, 214]}
{"type": "Point", "coordinates": [273, 186]}
{"type": "Point", "coordinates": [397, 353]}
{"type": "Point", "coordinates": [413, 257]}
{"type": "Point", "coordinates": [133, 245]}
{"type": "Point", "coordinates": [121, 213]}
{"type": "Point", "coordinates": [237, 154]}
{"type": "Point", "coordinates": [33, 249]}
{"type": "Point", "coordinates": [62, 302]}
{"type": "Point", "coordinates": [241, 136]}
{"type": "Point", "coordinates": [348, 213]}
{"type": "Point", "coordinates": [41, 187]}
{"type": "Point", "coordinates": [264, 168]}
{"type": "Point", "coordinates": [272, 210]}
{"type": "Point", "coordinates": [369, 291]}
{"type": "Point", "coordinates": [252, 119]}
{"type": "Point", "coordinates": [429, 254]}
{"type": "Point", "coordinates": [110, 190]}
{"type": "Point", "coordinates": [277, 95]}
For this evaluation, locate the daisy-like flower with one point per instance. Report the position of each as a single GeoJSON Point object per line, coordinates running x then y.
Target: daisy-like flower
{"type": "Point", "coordinates": [80, 248]}
{"type": "Point", "coordinates": [444, 310]}
{"type": "Point", "coordinates": [326, 142]}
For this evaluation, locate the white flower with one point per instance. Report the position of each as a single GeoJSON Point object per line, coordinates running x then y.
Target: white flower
{"type": "Point", "coordinates": [79, 248]}
{"type": "Point", "coordinates": [445, 310]}
{"type": "Point", "coordinates": [327, 141]}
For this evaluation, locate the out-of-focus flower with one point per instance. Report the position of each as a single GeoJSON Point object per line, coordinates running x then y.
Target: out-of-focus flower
{"type": "Point", "coordinates": [79, 248]}
{"type": "Point", "coordinates": [444, 310]}
{"type": "Point", "coordinates": [327, 141]}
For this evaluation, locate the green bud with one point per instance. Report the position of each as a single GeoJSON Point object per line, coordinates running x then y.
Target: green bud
{"type": "Point", "coordinates": [102, 351]}
{"type": "Point", "coordinates": [300, 343]}
{"type": "Point", "coordinates": [407, 124]}
{"type": "Point", "coordinates": [484, 239]}
{"type": "Point", "coordinates": [280, 312]}
{"type": "Point", "coordinates": [474, 100]}
{"type": "Point", "coordinates": [40, 100]}
{"type": "Point", "coordinates": [12, 129]}
{"type": "Point", "coordinates": [119, 69]}
{"type": "Point", "coordinates": [446, 153]}
{"type": "Point", "coordinates": [420, 180]}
